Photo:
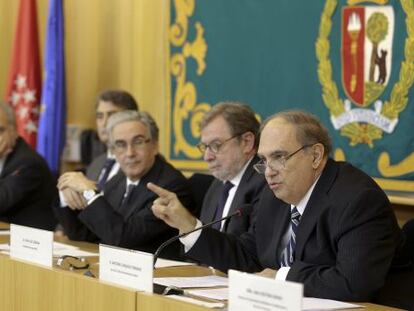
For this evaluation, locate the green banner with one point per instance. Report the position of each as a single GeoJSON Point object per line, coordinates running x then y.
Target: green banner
{"type": "Point", "coordinates": [349, 62]}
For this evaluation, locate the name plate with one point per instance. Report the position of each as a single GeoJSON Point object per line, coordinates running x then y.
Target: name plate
{"type": "Point", "coordinates": [31, 244]}
{"type": "Point", "coordinates": [251, 292]}
{"type": "Point", "coordinates": [126, 267]}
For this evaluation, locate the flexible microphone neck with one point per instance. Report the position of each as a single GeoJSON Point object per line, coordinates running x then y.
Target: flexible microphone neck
{"type": "Point", "coordinates": [238, 212]}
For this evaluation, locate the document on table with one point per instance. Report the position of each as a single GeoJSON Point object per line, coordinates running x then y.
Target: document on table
{"type": "Point", "coordinates": [59, 249]}
{"type": "Point", "coordinates": [313, 304]}
{"type": "Point", "coordinates": [189, 282]}
{"type": "Point", "coordinates": [218, 305]}
{"type": "Point", "coordinates": [5, 248]}
{"type": "Point", "coordinates": [211, 293]}
{"type": "Point", "coordinates": [163, 263]}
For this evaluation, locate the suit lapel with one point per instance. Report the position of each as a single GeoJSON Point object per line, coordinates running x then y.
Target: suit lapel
{"type": "Point", "coordinates": [317, 204]}
{"type": "Point", "coordinates": [271, 209]}
{"type": "Point", "coordinates": [140, 195]}
{"type": "Point", "coordinates": [248, 174]}
{"type": "Point", "coordinates": [211, 200]}
{"type": "Point", "coordinates": [115, 189]}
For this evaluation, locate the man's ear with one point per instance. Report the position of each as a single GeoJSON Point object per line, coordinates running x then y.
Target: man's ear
{"type": "Point", "coordinates": [318, 152]}
{"type": "Point", "coordinates": [248, 141]}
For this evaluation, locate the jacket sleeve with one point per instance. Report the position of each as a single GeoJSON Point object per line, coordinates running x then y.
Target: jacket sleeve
{"type": "Point", "coordinates": [15, 186]}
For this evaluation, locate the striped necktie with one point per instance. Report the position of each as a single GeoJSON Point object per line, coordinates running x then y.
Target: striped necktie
{"type": "Point", "coordinates": [288, 253]}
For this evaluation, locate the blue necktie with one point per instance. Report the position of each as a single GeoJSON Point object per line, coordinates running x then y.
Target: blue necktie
{"type": "Point", "coordinates": [222, 202]}
{"type": "Point", "coordinates": [106, 169]}
{"type": "Point", "coordinates": [286, 259]}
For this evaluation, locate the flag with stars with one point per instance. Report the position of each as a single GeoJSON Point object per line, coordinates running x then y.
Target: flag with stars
{"type": "Point", "coordinates": [52, 122]}
{"type": "Point", "coordinates": [24, 84]}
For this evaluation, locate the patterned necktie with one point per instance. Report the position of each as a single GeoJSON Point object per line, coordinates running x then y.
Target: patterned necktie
{"type": "Point", "coordinates": [106, 169]}
{"type": "Point", "coordinates": [222, 202]}
{"type": "Point", "coordinates": [288, 253]}
{"type": "Point", "coordinates": [127, 196]}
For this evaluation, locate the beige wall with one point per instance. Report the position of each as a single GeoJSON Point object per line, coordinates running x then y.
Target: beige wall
{"type": "Point", "coordinates": [108, 44]}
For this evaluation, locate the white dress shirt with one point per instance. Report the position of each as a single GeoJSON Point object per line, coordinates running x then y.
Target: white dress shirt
{"type": "Point", "coordinates": [283, 271]}
{"type": "Point", "coordinates": [189, 240]}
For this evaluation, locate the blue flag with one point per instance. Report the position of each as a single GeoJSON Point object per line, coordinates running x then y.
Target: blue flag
{"type": "Point", "coordinates": [52, 123]}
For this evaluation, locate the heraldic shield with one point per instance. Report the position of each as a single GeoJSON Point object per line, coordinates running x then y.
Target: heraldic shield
{"type": "Point", "coordinates": [367, 36]}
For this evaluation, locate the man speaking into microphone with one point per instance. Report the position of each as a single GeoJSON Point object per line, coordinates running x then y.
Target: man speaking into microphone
{"type": "Point", "coordinates": [322, 223]}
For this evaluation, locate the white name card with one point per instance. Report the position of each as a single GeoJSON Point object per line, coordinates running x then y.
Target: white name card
{"type": "Point", "coordinates": [126, 267]}
{"type": "Point", "coordinates": [30, 244]}
{"type": "Point", "coordinates": [251, 292]}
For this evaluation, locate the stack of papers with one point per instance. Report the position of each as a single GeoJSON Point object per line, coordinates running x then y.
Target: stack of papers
{"type": "Point", "coordinates": [193, 282]}
{"type": "Point", "coordinates": [163, 263]}
{"type": "Point", "coordinates": [59, 249]}
{"type": "Point", "coordinates": [221, 293]}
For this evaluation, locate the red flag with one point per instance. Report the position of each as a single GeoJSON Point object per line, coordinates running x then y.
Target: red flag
{"type": "Point", "coordinates": [24, 85]}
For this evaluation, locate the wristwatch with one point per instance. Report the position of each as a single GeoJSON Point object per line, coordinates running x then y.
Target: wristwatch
{"type": "Point", "coordinates": [89, 194]}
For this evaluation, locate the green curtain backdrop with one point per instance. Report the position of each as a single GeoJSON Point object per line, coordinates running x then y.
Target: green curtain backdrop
{"type": "Point", "coordinates": [282, 54]}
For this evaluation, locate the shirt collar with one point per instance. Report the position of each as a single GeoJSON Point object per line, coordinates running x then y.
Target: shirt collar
{"type": "Point", "coordinates": [130, 182]}
{"type": "Point", "coordinates": [110, 155]}
{"type": "Point", "coordinates": [302, 204]}
{"type": "Point", "coordinates": [236, 179]}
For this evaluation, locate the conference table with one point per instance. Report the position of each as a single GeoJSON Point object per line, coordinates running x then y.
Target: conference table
{"type": "Point", "coordinates": [27, 286]}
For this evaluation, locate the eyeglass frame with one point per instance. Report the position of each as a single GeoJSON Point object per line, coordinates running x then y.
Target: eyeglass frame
{"type": "Point", "coordinates": [203, 147]}
{"type": "Point", "coordinates": [137, 144]}
{"type": "Point", "coordinates": [260, 167]}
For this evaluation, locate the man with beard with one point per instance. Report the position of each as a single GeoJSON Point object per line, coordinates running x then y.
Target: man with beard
{"type": "Point", "coordinates": [229, 139]}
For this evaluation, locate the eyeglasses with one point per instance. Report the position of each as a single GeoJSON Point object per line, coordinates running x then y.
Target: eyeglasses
{"type": "Point", "coordinates": [276, 162]}
{"type": "Point", "coordinates": [121, 146]}
{"type": "Point", "coordinates": [68, 262]}
{"type": "Point", "coordinates": [215, 146]}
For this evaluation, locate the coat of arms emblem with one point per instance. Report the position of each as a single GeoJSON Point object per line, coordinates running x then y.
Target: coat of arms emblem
{"type": "Point", "coordinates": [367, 33]}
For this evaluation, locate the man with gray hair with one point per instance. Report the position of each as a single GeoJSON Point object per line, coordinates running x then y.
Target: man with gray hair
{"type": "Point", "coordinates": [103, 165]}
{"type": "Point", "coordinates": [27, 188]}
{"type": "Point", "coordinates": [122, 214]}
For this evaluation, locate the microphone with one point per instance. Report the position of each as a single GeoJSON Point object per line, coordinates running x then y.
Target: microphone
{"type": "Point", "coordinates": [243, 210]}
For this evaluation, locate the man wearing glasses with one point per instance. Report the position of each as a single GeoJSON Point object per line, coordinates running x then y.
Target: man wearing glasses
{"type": "Point", "coordinates": [122, 214]}
{"type": "Point", "coordinates": [229, 140]}
{"type": "Point", "coordinates": [103, 165]}
{"type": "Point", "coordinates": [322, 223]}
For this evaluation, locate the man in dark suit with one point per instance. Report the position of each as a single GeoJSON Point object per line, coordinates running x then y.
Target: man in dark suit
{"type": "Point", "coordinates": [322, 223]}
{"type": "Point", "coordinates": [122, 214]}
{"type": "Point", "coordinates": [26, 183]}
{"type": "Point", "coordinates": [103, 166]}
{"type": "Point", "coordinates": [229, 139]}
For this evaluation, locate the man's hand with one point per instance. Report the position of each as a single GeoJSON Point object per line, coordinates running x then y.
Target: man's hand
{"type": "Point", "coordinates": [73, 199]}
{"type": "Point", "coordinates": [75, 181]}
{"type": "Point", "coordinates": [168, 208]}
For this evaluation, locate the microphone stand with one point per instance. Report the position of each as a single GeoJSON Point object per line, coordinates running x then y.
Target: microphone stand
{"type": "Point", "coordinates": [174, 238]}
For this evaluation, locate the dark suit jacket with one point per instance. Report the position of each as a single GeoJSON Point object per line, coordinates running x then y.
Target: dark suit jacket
{"type": "Point", "coordinates": [249, 190]}
{"type": "Point", "coordinates": [135, 226]}
{"type": "Point", "coordinates": [346, 242]}
{"type": "Point", "coordinates": [95, 167]}
{"type": "Point", "coordinates": [27, 189]}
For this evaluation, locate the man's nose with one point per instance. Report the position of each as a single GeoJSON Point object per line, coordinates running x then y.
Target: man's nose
{"type": "Point", "coordinates": [208, 155]}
